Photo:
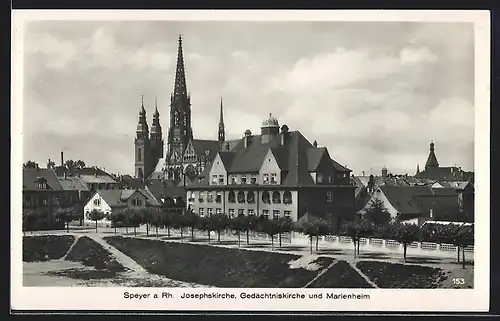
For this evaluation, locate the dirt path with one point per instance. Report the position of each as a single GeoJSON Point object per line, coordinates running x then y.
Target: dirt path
{"type": "Point", "coordinates": [321, 273]}
{"type": "Point", "coordinates": [123, 259]}
{"type": "Point", "coordinates": [367, 279]}
{"type": "Point", "coordinates": [71, 247]}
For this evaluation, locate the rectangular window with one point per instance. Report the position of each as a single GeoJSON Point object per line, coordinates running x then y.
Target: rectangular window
{"type": "Point", "coordinates": [218, 197]}
{"type": "Point", "coordinates": [287, 213]}
{"type": "Point", "coordinates": [97, 202]}
{"type": "Point", "coordinates": [243, 179]}
{"type": "Point", "coordinates": [319, 178]}
{"type": "Point", "coordinates": [44, 201]}
{"type": "Point", "coordinates": [276, 214]}
{"type": "Point", "coordinates": [265, 178]}
{"type": "Point", "coordinates": [201, 212]}
{"type": "Point", "coordinates": [265, 213]}
{"type": "Point", "coordinates": [329, 197]}
{"type": "Point", "coordinates": [253, 180]}
{"type": "Point", "coordinates": [56, 201]}
{"type": "Point", "coordinates": [221, 179]}
{"type": "Point", "coordinates": [233, 180]}
{"type": "Point", "coordinates": [251, 211]}
{"type": "Point", "coordinates": [210, 197]}
{"type": "Point", "coordinates": [139, 202]}
{"type": "Point", "coordinates": [231, 212]}
{"type": "Point", "coordinates": [218, 210]}
{"type": "Point", "coordinates": [70, 200]}
{"type": "Point", "coordinates": [214, 179]}
{"type": "Point", "coordinates": [273, 178]}
{"type": "Point", "coordinates": [209, 211]}
{"type": "Point", "coordinates": [201, 197]}
{"type": "Point", "coordinates": [241, 211]}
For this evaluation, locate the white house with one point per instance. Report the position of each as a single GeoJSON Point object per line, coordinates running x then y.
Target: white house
{"type": "Point", "coordinates": [111, 201]}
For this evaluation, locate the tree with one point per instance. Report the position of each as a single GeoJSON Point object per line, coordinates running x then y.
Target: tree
{"type": "Point", "coordinates": [220, 223]}
{"type": "Point", "coordinates": [459, 235]}
{"type": "Point", "coordinates": [67, 215]}
{"type": "Point", "coordinates": [30, 218]}
{"type": "Point", "coordinates": [285, 225]}
{"type": "Point", "coordinates": [312, 228]}
{"type": "Point", "coordinates": [191, 221]}
{"type": "Point", "coordinates": [405, 234]}
{"type": "Point", "coordinates": [147, 217]}
{"type": "Point", "coordinates": [30, 164]}
{"type": "Point", "coordinates": [167, 219]}
{"type": "Point", "coordinates": [157, 220]}
{"type": "Point", "coordinates": [238, 224]}
{"type": "Point", "coordinates": [271, 228]}
{"type": "Point", "coordinates": [96, 215]}
{"type": "Point", "coordinates": [135, 219]}
{"type": "Point", "coordinates": [377, 214]}
{"type": "Point", "coordinates": [117, 219]}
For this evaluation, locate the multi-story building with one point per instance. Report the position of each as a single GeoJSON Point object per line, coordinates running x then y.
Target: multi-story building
{"type": "Point", "coordinates": [274, 174]}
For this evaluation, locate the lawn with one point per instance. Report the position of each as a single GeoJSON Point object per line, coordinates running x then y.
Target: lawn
{"type": "Point", "coordinates": [90, 253]}
{"type": "Point", "coordinates": [46, 247]}
{"type": "Point", "coordinates": [217, 266]}
{"type": "Point", "coordinates": [340, 275]}
{"type": "Point", "coordinates": [402, 276]}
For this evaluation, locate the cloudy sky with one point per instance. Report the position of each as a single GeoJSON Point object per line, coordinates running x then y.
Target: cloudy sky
{"type": "Point", "coordinates": [374, 93]}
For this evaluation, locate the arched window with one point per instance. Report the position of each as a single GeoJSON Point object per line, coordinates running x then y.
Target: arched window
{"type": "Point", "coordinates": [139, 154]}
{"type": "Point", "coordinates": [276, 197]}
{"type": "Point", "coordinates": [265, 197]}
{"type": "Point", "coordinates": [241, 197]}
{"type": "Point", "coordinates": [287, 197]}
{"type": "Point", "coordinates": [231, 197]}
{"type": "Point", "coordinates": [251, 197]}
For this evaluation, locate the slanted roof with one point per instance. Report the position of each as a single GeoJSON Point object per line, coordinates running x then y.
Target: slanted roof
{"type": "Point", "coordinates": [227, 158]}
{"type": "Point", "coordinates": [445, 174]}
{"type": "Point", "coordinates": [202, 145]}
{"type": "Point", "coordinates": [118, 198]}
{"type": "Point", "coordinates": [339, 167]}
{"type": "Point", "coordinates": [228, 145]}
{"type": "Point", "coordinates": [164, 188]}
{"type": "Point", "coordinates": [31, 176]}
{"type": "Point", "coordinates": [71, 183]}
{"type": "Point", "coordinates": [314, 156]}
{"type": "Point", "coordinates": [401, 198]}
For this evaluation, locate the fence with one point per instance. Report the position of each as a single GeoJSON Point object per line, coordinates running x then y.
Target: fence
{"type": "Point", "coordinates": [386, 246]}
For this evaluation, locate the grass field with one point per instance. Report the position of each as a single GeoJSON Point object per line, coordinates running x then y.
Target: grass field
{"type": "Point", "coordinates": [46, 247]}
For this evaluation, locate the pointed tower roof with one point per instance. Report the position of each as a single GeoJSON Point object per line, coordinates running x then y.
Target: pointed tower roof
{"type": "Point", "coordinates": [156, 114]}
{"type": "Point", "coordinates": [431, 160]}
{"type": "Point", "coordinates": [143, 110]}
{"type": "Point", "coordinates": [418, 168]}
{"type": "Point", "coordinates": [221, 119]}
{"type": "Point", "coordinates": [221, 134]}
{"type": "Point", "coordinates": [180, 87]}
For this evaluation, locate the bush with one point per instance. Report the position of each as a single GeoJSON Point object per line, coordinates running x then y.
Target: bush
{"type": "Point", "coordinates": [401, 276]}
{"type": "Point", "coordinates": [46, 247]}
{"type": "Point", "coordinates": [216, 266]}
{"type": "Point", "coordinates": [90, 253]}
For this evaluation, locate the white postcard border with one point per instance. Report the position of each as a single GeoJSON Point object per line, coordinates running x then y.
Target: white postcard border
{"type": "Point", "coordinates": [62, 298]}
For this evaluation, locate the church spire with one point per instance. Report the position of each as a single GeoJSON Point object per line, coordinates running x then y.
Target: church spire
{"type": "Point", "coordinates": [180, 88]}
{"type": "Point", "coordinates": [431, 160]}
{"type": "Point", "coordinates": [418, 168]}
{"type": "Point", "coordinates": [222, 134]}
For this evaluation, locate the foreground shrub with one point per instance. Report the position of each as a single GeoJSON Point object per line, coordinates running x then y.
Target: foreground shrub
{"type": "Point", "coordinates": [216, 266]}
{"type": "Point", "coordinates": [341, 275]}
{"type": "Point", "coordinates": [401, 276]}
{"type": "Point", "coordinates": [46, 247]}
{"type": "Point", "coordinates": [90, 253]}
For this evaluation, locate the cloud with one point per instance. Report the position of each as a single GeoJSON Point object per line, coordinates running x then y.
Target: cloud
{"type": "Point", "coordinates": [412, 56]}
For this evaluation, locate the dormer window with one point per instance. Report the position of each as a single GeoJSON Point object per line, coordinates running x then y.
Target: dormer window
{"type": "Point", "coordinates": [253, 180]}
{"type": "Point", "coordinates": [221, 179]}
{"type": "Point", "coordinates": [265, 178]}
{"type": "Point", "coordinates": [41, 183]}
{"type": "Point", "coordinates": [214, 179]}
{"type": "Point", "coordinates": [243, 179]}
{"type": "Point", "coordinates": [273, 178]}
{"type": "Point", "coordinates": [233, 180]}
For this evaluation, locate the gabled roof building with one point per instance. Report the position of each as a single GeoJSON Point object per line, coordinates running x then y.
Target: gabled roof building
{"type": "Point", "coordinates": [277, 173]}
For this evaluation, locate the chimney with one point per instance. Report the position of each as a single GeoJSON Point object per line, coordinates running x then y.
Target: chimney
{"type": "Point", "coordinates": [248, 137]}
{"type": "Point", "coordinates": [62, 158]}
{"type": "Point", "coordinates": [363, 173]}
{"type": "Point", "coordinates": [315, 144]}
{"type": "Point", "coordinates": [284, 134]}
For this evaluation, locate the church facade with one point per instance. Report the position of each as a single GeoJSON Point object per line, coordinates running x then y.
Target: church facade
{"type": "Point", "coordinates": [185, 157]}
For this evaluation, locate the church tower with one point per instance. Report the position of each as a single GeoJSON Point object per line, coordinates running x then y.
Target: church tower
{"type": "Point", "coordinates": [180, 131]}
{"type": "Point", "coordinates": [142, 146]}
{"type": "Point", "coordinates": [432, 159]}
{"type": "Point", "coordinates": [156, 136]}
{"type": "Point", "coordinates": [222, 131]}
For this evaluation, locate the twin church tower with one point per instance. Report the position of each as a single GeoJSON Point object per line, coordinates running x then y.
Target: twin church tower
{"type": "Point", "coordinates": [150, 161]}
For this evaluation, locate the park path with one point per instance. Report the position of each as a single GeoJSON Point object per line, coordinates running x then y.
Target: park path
{"type": "Point", "coordinates": [121, 257]}
{"type": "Point", "coordinates": [71, 247]}
{"type": "Point", "coordinates": [321, 273]}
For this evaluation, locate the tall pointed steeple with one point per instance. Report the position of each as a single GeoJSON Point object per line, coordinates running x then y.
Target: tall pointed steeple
{"type": "Point", "coordinates": [222, 132]}
{"type": "Point", "coordinates": [418, 168]}
{"type": "Point", "coordinates": [180, 88]}
{"type": "Point", "coordinates": [431, 160]}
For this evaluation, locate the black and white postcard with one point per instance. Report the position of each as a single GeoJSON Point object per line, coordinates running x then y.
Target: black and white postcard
{"type": "Point", "coordinates": [250, 160]}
